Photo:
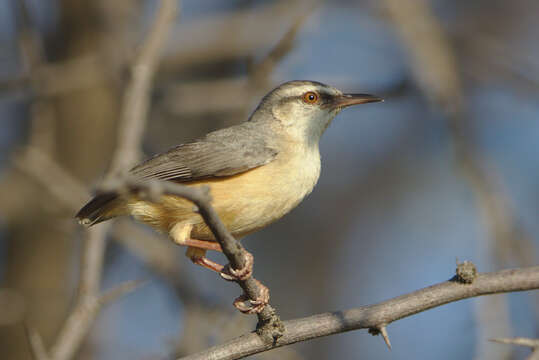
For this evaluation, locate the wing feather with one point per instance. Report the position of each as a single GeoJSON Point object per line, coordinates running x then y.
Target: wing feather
{"type": "Point", "coordinates": [221, 153]}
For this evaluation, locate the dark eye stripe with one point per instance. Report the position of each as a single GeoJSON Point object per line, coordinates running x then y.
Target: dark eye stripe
{"type": "Point", "coordinates": [325, 99]}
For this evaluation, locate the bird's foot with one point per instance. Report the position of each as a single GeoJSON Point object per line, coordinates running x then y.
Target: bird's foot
{"type": "Point", "coordinates": [250, 306]}
{"type": "Point", "coordinates": [230, 274]}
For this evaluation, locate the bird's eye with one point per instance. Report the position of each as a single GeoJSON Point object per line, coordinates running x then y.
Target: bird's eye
{"type": "Point", "coordinates": [310, 97]}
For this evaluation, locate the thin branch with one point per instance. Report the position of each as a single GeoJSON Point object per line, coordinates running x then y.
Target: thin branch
{"type": "Point", "coordinates": [137, 95]}
{"type": "Point", "coordinates": [75, 328]}
{"type": "Point", "coordinates": [259, 72]}
{"type": "Point", "coordinates": [120, 290]}
{"type": "Point", "coordinates": [89, 302]}
{"type": "Point", "coordinates": [531, 343]}
{"type": "Point", "coordinates": [36, 343]}
{"type": "Point", "coordinates": [378, 315]}
{"type": "Point", "coordinates": [41, 167]}
{"type": "Point", "coordinates": [92, 261]}
{"type": "Point", "coordinates": [79, 321]}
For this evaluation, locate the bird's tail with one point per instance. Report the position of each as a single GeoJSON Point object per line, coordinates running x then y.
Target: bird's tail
{"type": "Point", "coordinates": [102, 207]}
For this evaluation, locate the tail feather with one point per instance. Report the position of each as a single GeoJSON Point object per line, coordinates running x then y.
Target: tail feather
{"type": "Point", "coordinates": [100, 208]}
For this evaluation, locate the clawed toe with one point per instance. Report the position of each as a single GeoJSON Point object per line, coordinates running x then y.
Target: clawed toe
{"type": "Point", "coordinates": [242, 274]}
{"type": "Point", "coordinates": [249, 306]}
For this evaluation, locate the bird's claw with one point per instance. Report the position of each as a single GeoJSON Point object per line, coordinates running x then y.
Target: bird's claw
{"type": "Point", "coordinates": [230, 274]}
{"type": "Point", "coordinates": [250, 306]}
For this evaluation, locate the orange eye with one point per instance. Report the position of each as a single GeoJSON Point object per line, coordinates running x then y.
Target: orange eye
{"type": "Point", "coordinates": [310, 97]}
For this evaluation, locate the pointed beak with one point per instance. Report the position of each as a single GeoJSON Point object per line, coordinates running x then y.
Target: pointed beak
{"type": "Point", "coordinates": [355, 99]}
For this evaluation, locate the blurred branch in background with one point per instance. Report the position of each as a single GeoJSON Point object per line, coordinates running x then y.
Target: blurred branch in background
{"type": "Point", "coordinates": [137, 94]}
{"type": "Point", "coordinates": [531, 343]}
{"type": "Point", "coordinates": [233, 94]}
{"type": "Point", "coordinates": [435, 68]}
{"type": "Point", "coordinates": [207, 40]}
{"type": "Point", "coordinates": [260, 71]}
{"type": "Point", "coordinates": [90, 299]}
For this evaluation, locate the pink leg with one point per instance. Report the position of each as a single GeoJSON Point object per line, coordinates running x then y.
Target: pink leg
{"type": "Point", "coordinates": [196, 251]}
{"type": "Point", "coordinates": [202, 244]}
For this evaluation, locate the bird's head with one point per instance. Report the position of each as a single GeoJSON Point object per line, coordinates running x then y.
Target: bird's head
{"type": "Point", "coordinates": [305, 108]}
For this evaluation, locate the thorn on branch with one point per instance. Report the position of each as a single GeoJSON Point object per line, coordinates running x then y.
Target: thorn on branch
{"type": "Point", "coordinates": [466, 272]}
{"type": "Point", "coordinates": [381, 330]}
{"type": "Point", "coordinates": [531, 343]}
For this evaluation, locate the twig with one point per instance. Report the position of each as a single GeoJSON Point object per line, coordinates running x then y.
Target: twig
{"type": "Point", "coordinates": [379, 315]}
{"type": "Point", "coordinates": [202, 42]}
{"type": "Point", "coordinates": [531, 343]}
{"type": "Point", "coordinates": [137, 95]}
{"type": "Point", "coordinates": [117, 292]}
{"type": "Point", "coordinates": [36, 343]}
{"type": "Point", "coordinates": [82, 317]}
{"type": "Point", "coordinates": [52, 176]}
{"type": "Point", "coordinates": [260, 71]}
{"type": "Point", "coordinates": [90, 300]}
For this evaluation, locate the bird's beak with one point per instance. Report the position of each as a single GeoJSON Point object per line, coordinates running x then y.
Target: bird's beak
{"type": "Point", "coordinates": [355, 99]}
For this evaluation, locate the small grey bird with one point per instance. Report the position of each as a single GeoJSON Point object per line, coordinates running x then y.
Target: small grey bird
{"type": "Point", "coordinates": [257, 171]}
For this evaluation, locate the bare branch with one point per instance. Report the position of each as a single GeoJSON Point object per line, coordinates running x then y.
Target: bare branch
{"type": "Point", "coordinates": [92, 262]}
{"type": "Point", "coordinates": [378, 315]}
{"type": "Point", "coordinates": [80, 320]}
{"type": "Point", "coordinates": [202, 41]}
{"type": "Point", "coordinates": [132, 123]}
{"type": "Point", "coordinates": [75, 328]}
{"type": "Point", "coordinates": [532, 343]}
{"type": "Point", "coordinates": [137, 95]}
{"type": "Point", "coordinates": [260, 71]}
{"type": "Point", "coordinates": [52, 176]}
{"type": "Point", "coordinates": [36, 343]}
{"type": "Point", "coordinates": [120, 290]}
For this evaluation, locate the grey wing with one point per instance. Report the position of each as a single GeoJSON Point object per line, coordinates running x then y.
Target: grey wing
{"type": "Point", "coordinates": [222, 153]}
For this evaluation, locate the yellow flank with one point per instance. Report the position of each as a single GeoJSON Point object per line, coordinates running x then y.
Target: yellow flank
{"type": "Point", "coordinates": [245, 202]}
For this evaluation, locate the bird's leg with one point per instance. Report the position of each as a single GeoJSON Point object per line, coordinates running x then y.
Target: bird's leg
{"type": "Point", "coordinates": [196, 251]}
{"type": "Point", "coordinates": [243, 303]}
{"type": "Point", "coordinates": [201, 244]}
{"type": "Point", "coordinates": [198, 256]}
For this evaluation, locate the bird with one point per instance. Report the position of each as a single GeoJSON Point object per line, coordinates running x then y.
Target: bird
{"type": "Point", "coordinates": [257, 171]}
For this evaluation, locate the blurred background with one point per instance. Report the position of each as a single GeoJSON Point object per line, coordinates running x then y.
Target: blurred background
{"type": "Point", "coordinates": [445, 168]}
